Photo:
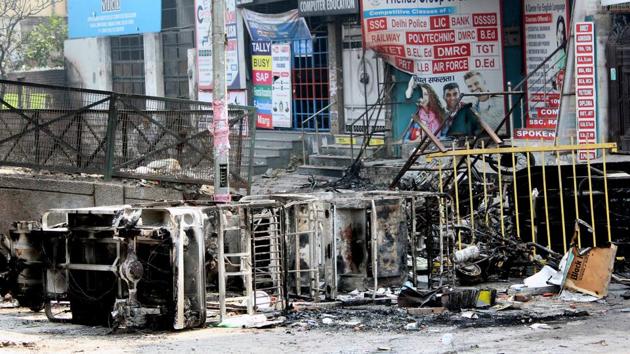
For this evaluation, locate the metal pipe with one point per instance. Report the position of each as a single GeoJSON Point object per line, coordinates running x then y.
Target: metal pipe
{"type": "Point", "coordinates": [181, 298]}
{"type": "Point", "coordinates": [516, 213]}
{"type": "Point", "coordinates": [575, 196]}
{"type": "Point", "coordinates": [456, 186]}
{"type": "Point", "coordinates": [252, 145]}
{"type": "Point", "coordinates": [531, 200]}
{"type": "Point", "coordinates": [375, 250]}
{"type": "Point", "coordinates": [509, 97]}
{"type": "Point", "coordinates": [221, 257]}
{"type": "Point", "coordinates": [501, 196]}
{"type": "Point", "coordinates": [564, 231]}
{"type": "Point", "coordinates": [485, 189]}
{"type": "Point", "coordinates": [470, 193]}
{"type": "Point", "coordinates": [544, 174]}
{"type": "Point", "coordinates": [590, 196]}
{"type": "Point", "coordinates": [606, 195]}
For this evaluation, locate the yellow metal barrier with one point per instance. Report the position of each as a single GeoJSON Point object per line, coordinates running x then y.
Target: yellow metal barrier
{"type": "Point", "coordinates": [472, 164]}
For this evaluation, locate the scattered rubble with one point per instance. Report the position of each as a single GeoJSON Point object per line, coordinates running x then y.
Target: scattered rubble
{"type": "Point", "coordinates": [387, 261]}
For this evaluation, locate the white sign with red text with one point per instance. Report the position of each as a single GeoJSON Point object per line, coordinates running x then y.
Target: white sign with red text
{"type": "Point", "coordinates": [585, 87]}
{"type": "Point", "coordinates": [451, 42]}
{"type": "Point", "coordinates": [435, 38]}
{"type": "Point", "coordinates": [546, 24]}
{"type": "Point", "coordinates": [234, 58]}
{"type": "Point", "coordinates": [281, 86]}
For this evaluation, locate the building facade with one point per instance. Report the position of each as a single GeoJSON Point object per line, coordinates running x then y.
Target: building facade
{"type": "Point", "coordinates": [349, 78]}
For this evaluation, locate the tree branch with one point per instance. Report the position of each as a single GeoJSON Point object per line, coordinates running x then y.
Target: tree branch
{"type": "Point", "coordinates": [12, 13]}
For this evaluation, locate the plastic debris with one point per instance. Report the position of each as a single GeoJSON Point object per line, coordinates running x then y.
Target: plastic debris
{"type": "Point", "coordinates": [250, 321]}
{"type": "Point", "coordinates": [543, 326]}
{"type": "Point", "coordinates": [411, 326]}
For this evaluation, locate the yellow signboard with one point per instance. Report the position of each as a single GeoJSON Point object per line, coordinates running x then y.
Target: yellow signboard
{"type": "Point", "coordinates": [345, 140]}
{"type": "Point", "coordinates": [261, 62]}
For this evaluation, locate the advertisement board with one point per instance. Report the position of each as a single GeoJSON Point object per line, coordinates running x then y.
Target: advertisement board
{"type": "Point", "coordinates": [262, 79]}
{"type": "Point", "coordinates": [327, 7]}
{"type": "Point", "coordinates": [546, 24]}
{"type": "Point", "coordinates": [281, 87]}
{"type": "Point", "coordinates": [286, 26]}
{"type": "Point", "coordinates": [450, 47]}
{"type": "Point", "coordinates": [585, 87]}
{"type": "Point", "coordinates": [272, 35]}
{"type": "Point", "coordinates": [234, 58]}
{"type": "Point", "coordinates": [101, 18]}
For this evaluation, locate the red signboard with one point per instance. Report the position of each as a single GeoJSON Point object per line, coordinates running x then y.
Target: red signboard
{"type": "Point", "coordinates": [586, 90]}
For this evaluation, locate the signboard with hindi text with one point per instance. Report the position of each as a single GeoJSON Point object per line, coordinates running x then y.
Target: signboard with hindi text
{"type": "Point", "coordinates": [546, 24]}
{"type": "Point", "coordinates": [450, 47]}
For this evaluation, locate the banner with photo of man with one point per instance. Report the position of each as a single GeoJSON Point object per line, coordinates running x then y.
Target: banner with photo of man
{"type": "Point", "coordinates": [450, 47]}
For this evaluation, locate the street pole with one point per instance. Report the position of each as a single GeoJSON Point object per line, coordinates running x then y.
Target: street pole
{"type": "Point", "coordinates": [221, 129]}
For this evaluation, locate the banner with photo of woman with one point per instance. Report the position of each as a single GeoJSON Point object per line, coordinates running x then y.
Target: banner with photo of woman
{"type": "Point", "coordinates": [546, 24]}
{"type": "Point", "coordinates": [449, 47]}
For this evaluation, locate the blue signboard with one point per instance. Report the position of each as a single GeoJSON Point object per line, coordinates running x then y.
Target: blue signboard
{"type": "Point", "coordinates": [99, 18]}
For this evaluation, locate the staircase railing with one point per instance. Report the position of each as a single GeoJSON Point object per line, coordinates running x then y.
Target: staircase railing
{"type": "Point", "coordinates": [316, 130]}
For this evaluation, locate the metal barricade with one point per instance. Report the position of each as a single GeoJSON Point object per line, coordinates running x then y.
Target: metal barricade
{"type": "Point", "coordinates": [75, 130]}
{"type": "Point", "coordinates": [536, 194]}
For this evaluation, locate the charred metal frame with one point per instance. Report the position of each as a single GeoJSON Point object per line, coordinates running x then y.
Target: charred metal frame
{"type": "Point", "coordinates": [152, 264]}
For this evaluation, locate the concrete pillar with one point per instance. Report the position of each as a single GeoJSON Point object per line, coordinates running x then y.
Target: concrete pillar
{"type": "Point", "coordinates": [335, 76]}
{"type": "Point", "coordinates": [603, 26]}
{"type": "Point", "coordinates": [153, 65]}
{"type": "Point", "coordinates": [89, 63]}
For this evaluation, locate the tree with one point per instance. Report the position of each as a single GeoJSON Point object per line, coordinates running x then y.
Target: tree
{"type": "Point", "coordinates": [44, 44]}
{"type": "Point", "coordinates": [12, 13]}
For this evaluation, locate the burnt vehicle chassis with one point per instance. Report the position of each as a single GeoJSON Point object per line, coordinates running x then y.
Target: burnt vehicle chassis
{"type": "Point", "coordinates": [163, 264]}
{"type": "Point", "coordinates": [116, 266]}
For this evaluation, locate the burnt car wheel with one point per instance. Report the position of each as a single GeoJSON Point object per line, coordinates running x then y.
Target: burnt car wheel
{"type": "Point", "coordinates": [470, 274]}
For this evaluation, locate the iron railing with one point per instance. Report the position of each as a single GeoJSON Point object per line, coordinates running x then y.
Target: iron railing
{"type": "Point", "coordinates": [74, 130]}
{"type": "Point", "coordinates": [535, 193]}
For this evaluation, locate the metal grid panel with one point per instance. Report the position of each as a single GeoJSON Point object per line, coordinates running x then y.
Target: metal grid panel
{"type": "Point", "coordinates": [310, 83]}
{"type": "Point", "coordinates": [175, 46]}
{"type": "Point", "coordinates": [128, 64]}
{"type": "Point", "coordinates": [53, 129]}
{"type": "Point", "coordinates": [87, 131]}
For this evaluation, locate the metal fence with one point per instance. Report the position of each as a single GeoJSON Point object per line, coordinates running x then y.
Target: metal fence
{"type": "Point", "coordinates": [100, 132]}
{"type": "Point", "coordinates": [536, 194]}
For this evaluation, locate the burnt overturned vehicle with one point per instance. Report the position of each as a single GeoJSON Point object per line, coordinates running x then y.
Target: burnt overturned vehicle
{"type": "Point", "coordinates": [172, 265]}
{"type": "Point", "coordinates": [117, 266]}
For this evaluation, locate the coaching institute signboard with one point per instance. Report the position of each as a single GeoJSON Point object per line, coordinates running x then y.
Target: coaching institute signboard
{"type": "Point", "coordinates": [101, 18]}
{"type": "Point", "coordinates": [327, 7]}
{"type": "Point", "coordinates": [234, 57]}
{"type": "Point", "coordinates": [445, 42]}
{"type": "Point", "coordinates": [546, 24]}
{"type": "Point", "coordinates": [585, 87]}
{"type": "Point", "coordinates": [271, 36]}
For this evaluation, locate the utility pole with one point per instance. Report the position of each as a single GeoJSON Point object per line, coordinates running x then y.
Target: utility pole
{"type": "Point", "coordinates": [221, 129]}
